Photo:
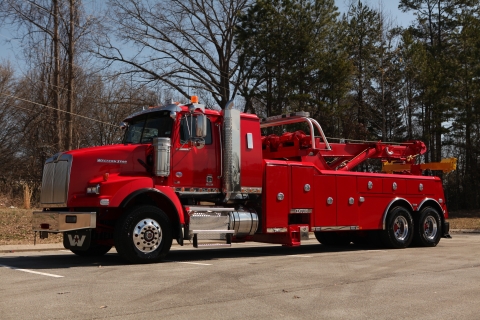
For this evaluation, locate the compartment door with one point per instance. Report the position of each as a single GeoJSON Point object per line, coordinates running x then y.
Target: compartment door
{"type": "Point", "coordinates": [347, 206]}
{"type": "Point", "coordinates": [325, 201]}
{"type": "Point", "coordinates": [302, 187]}
{"type": "Point", "coordinates": [275, 214]}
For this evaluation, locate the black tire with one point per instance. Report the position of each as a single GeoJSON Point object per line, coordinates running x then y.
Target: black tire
{"type": "Point", "coordinates": [333, 238]}
{"type": "Point", "coordinates": [398, 233]}
{"type": "Point", "coordinates": [428, 228]}
{"type": "Point", "coordinates": [132, 230]}
{"type": "Point", "coordinates": [95, 250]}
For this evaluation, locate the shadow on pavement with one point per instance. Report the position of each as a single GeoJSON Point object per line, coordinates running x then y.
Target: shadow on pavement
{"type": "Point", "coordinates": [66, 260]}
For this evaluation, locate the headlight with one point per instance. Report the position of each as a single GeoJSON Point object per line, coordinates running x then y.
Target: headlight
{"type": "Point", "coordinates": [94, 190]}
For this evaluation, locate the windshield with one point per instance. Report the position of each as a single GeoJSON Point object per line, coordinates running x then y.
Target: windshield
{"type": "Point", "coordinates": [146, 127]}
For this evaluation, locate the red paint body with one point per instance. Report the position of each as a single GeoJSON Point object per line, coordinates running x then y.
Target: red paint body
{"type": "Point", "coordinates": [307, 178]}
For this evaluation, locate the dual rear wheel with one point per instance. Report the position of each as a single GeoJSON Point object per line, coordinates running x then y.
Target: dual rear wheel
{"type": "Point", "coordinates": [401, 230]}
{"type": "Point", "coordinates": [428, 228]}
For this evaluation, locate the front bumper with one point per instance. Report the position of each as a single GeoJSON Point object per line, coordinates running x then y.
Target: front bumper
{"type": "Point", "coordinates": [57, 221]}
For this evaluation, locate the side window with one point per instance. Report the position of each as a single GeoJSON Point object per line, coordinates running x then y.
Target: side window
{"type": "Point", "coordinates": [157, 127]}
{"type": "Point", "coordinates": [187, 126]}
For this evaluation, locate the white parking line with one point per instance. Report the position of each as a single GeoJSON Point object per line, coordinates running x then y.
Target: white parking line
{"type": "Point", "coordinates": [31, 271]}
{"type": "Point", "coordinates": [195, 263]}
{"type": "Point", "coordinates": [298, 255]}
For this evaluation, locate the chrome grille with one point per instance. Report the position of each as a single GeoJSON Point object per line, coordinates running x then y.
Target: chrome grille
{"type": "Point", "coordinates": [55, 181]}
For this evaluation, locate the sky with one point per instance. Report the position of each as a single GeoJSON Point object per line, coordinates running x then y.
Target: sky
{"type": "Point", "coordinates": [8, 47]}
{"type": "Point", "coordinates": [390, 8]}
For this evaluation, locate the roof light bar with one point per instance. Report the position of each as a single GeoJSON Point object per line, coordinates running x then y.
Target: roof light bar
{"type": "Point", "coordinates": [299, 114]}
{"type": "Point", "coordinates": [283, 119]}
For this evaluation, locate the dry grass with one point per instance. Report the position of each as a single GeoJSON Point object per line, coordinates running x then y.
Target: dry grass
{"type": "Point", "coordinates": [464, 220]}
{"type": "Point", "coordinates": [16, 227]}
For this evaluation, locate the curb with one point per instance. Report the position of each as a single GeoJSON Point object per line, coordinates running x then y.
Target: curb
{"type": "Point", "coordinates": [465, 231]}
{"type": "Point", "coordinates": [59, 246]}
{"type": "Point", "coordinates": [30, 247]}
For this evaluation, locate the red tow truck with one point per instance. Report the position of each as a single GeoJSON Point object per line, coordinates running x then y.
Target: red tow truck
{"type": "Point", "coordinates": [195, 175]}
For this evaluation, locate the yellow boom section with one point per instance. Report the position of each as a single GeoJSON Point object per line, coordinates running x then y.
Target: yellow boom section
{"type": "Point", "coordinates": [446, 165]}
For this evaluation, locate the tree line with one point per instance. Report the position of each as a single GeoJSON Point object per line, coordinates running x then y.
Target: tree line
{"type": "Point", "coordinates": [85, 66]}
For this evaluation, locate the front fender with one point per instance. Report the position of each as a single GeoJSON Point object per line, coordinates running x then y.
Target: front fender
{"type": "Point", "coordinates": [166, 194]}
{"type": "Point", "coordinates": [128, 188]}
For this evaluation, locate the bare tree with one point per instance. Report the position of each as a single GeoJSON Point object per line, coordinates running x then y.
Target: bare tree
{"type": "Point", "coordinates": [182, 44]}
{"type": "Point", "coordinates": [8, 115]}
{"type": "Point", "coordinates": [53, 27]}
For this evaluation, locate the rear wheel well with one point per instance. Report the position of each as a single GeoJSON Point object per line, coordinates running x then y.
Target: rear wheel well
{"type": "Point", "coordinates": [434, 204]}
{"type": "Point", "coordinates": [396, 203]}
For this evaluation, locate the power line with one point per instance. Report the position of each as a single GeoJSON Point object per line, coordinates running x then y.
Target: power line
{"type": "Point", "coordinates": [42, 105]}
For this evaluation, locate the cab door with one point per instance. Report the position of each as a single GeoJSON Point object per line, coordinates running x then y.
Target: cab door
{"type": "Point", "coordinates": [195, 167]}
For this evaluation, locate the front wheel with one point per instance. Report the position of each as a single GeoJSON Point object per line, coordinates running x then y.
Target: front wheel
{"type": "Point", "coordinates": [428, 229]}
{"type": "Point", "coordinates": [143, 235]}
{"type": "Point", "coordinates": [398, 231]}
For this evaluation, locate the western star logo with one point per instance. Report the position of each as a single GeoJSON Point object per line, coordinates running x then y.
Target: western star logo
{"type": "Point", "coordinates": [112, 161]}
{"type": "Point", "coordinates": [76, 241]}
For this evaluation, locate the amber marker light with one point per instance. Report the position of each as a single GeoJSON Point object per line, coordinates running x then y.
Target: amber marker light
{"type": "Point", "coordinates": [194, 99]}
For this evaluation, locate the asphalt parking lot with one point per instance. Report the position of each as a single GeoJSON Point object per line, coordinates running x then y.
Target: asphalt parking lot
{"type": "Point", "coordinates": [248, 281]}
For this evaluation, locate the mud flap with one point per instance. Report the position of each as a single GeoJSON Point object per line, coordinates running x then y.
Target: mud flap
{"type": "Point", "coordinates": [77, 239]}
{"type": "Point", "coordinates": [446, 230]}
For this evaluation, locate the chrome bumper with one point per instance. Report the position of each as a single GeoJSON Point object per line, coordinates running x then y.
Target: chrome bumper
{"type": "Point", "coordinates": [57, 221]}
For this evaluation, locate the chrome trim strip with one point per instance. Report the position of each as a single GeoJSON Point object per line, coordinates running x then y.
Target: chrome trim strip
{"type": "Point", "coordinates": [251, 190]}
{"type": "Point", "coordinates": [207, 209]}
{"type": "Point", "coordinates": [196, 193]}
{"type": "Point", "coordinates": [212, 231]}
{"type": "Point", "coordinates": [55, 221]}
{"type": "Point", "coordinates": [301, 210]}
{"type": "Point", "coordinates": [276, 230]}
{"type": "Point", "coordinates": [388, 209]}
{"type": "Point", "coordinates": [335, 228]}
{"type": "Point", "coordinates": [183, 190]}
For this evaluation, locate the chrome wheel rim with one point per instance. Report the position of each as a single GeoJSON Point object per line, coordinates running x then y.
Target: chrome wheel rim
{"type": "Point", "coordinates": [430, 228]}
{"type": "Point", "coordinates": [147, 235]}
{"type": "Point", "coordinates": [400, 228]}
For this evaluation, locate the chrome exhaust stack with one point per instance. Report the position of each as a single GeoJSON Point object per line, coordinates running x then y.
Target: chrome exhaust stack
{"type": "Point", "coordinates": [162, 156]}
{"type": "Point", "coordinates": [231, 152]}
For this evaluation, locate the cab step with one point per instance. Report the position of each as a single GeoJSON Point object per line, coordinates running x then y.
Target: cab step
{"type": "Point", "coordinates": [218, 234]}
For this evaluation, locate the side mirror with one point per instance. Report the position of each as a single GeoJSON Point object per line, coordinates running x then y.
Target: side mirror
{"type": "Point", "coordinates": [201, 131]}
{"type": "Point", "coordinates": [123, 125]}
